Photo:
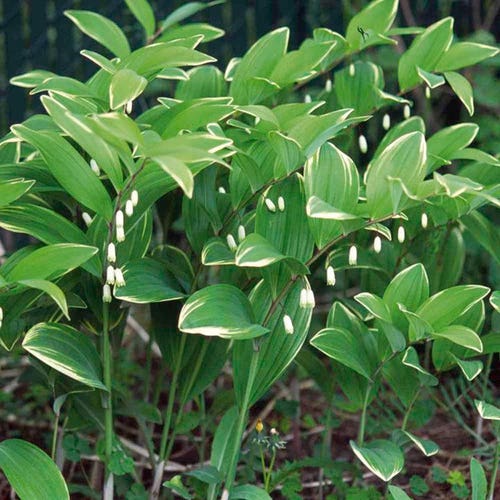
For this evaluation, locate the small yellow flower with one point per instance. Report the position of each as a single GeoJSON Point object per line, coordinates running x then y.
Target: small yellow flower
{"type": "Point", "coordinates": [259, 426]}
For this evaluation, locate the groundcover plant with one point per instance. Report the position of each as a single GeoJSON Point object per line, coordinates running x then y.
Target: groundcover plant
{"type": "Point", "coordinates": [288, 211]}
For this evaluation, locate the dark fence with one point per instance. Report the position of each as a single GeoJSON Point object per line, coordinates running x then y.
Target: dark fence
{"type": "Point", "coordinates": [36, 34]}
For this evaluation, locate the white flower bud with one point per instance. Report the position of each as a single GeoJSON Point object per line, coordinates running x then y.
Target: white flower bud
{"type": "Point", "coordinates": [128, 107]}
{"type": "Point", "coordinates": [386, 122]}
{"type": "Point", "coordinates": [352, 70]}
{"type": "Point", "coordinates": [119, 218]}
{"type": "Point", "coordinates": [120, 234]}
{"type": "Point", "coordinates": [222, 190]}
{"type": "Point", "coordinates": [353, 255]}
{"type": "Point", "coordinates": [363, 145]}
{"type": "Point", "coordinates": [231, 242]}
{"type": "Point", "coordinates": [111, 253]}
{"type": "Point", "coordinates": [119, 279]}
{"type": "Point", "coordinates": [311, 302]}
{"type": "Point", "coordinates": [424, 220]}
{"type": "Point", "coordinates": [106, 293]}
{"type": "Point", "coordinates": [129, 208]}
{"type": "Point", "coordinates": [287, 323]}
{"type": "Point", "coordinates": [134, 197]}
{"type": "Point", "coordinates": [281, 204]}
{"type": "Point", "coordinates": [95, 167]}
{"type": "Point", "coordinates": [427, 93]}
{"type": "Point", "coordinates": [406, 111]}
{"type": "Point", "coordinates": [270, 205]}
{"type": "Point", "coordinates": [86, 218]}
{"type": "Point", "coordinates": [307, 99]}
{"type": "Point", "coordinates": [303, 298]}
{"type": "Point", "coordinates": [328, 85]}
{"type": "Point", "coordinates": [110, 275]}
{"type": "Point", "coordinates": [273, 431]}
{"type": "Point", "coordinates": [401, 234]}
{"type": "Point", "coordinates": [241, 233]}
{"type": "Point", "coordinates": [330, 276]}
{"type": "Point", "coordinates": [1, 314]}
{"type": "Point", "coordinates": [377, 244]}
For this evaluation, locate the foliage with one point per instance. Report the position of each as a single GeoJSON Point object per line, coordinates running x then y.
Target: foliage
{"type": "Point", "coordinates": [219, 212]}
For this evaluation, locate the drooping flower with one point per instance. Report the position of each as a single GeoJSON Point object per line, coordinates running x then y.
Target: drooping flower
{"type": "Point", "coordinates": [222, 190]}
{"type": "Point", "coordinates": [119, 219]}
{"type": "Point", "coordinates": [119, 279]}
{"type": "Point", "coordinates": [406, 111]}
{"type": "Point", "coordinates": [330, 276]}
{"type": "Point", "coordinates": [110, 275]}
{"type": "Point", "coordinates": [363, 145]}
{"type": "Point", "coordinates": [95, 167]}
{"type": "Point", "coordinates": [281, 204]}
{"type": "Point", "coordinates": [311, 302]}
{"type": "Point", "coordinates": [401, 234]}
{"type": "Point", "coordinates": [377, 244]}
{"type": "Point", "coordinates": [106, 293]}
{"type": "Point", "coordinates": [424, 220]}
{"type": "Point", "coordinates": [86, 218]}
{"type": "Point", "coordinates": [288, 324]}
{"type": "Point", "coordinates": [231, 242]}
{"type": "Point", "coordinates": [307, 99]}
{"type": "Point", "coordinates": [241, 233]}
{"type": "Point", "coordinates": [303, 298]}
{"type": "Point", "coordinates": [427, 92]}
{"type": "Point", "coordinates": [270, 205]}
{"type": "Point", "coordinates": [328, 85]}
{"type": "Point", "coordinates": [111, 253]}
{"type": "Point", "coordinates": [120, 234]}
{"type": "Point", "coordinates": [134, 197]}
{"type": "Point", "coordinates": [386, 122]}
{"type": "Point", "coordinates": [129, 208]}
{"type": "Point", "coordinates": [353, 255]}
{"type": "Point", "coordinates": [352, 70]}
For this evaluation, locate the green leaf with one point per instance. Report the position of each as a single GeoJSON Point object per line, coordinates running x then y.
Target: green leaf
{"type": "Point", "coordinates": [153, 58]}
{"type": "Point", "coordinates": [50, 261]}
{"type": "Point", "coordinates": [410, 288]}
{"type": "Point", "coordinates": [410, 359]}
{"type": "Point", "coordinates": [12, 190]}
{"type": "Point", "coordinates": [78, 127]}
{"type": "Point", "coordinates": [426, 446]}
{"type": "Point", "coordinates": [175, 484]}
{"type": "Point", "coordinates": [376, 18]}
{"type": "Point", "coordinates": [470, 369]}
{"type": "Point", "coordinates": [478, 479]}
{"type": "Point", "coordinates": [31, 472]}
{"type": "Point", "coordinates": [495, 300]}
{"type": "Point", "coordinates": [66, 350]}
{"type": "Point", "coordinates": [208, 32]}
{"type": "Point", "coordinates": [256, 251]}
{"type": "Point", "coordinates": [402, 159]}
{"type": "Point", "coordinates": [46, 226]}
{"type": "Point", "coordinates": [216, 253]}
{"type": "Point", "coordinates": [207, 474]}
{"type": "Point", "coordinates": [319, 209]}
{"type": "Point", "coordinates": [382, 457]}
{"type": "Point", "coordinates": [222, 445]}
{"type": "Point", "coordinates": [179, 171]}
{"type": "Point", "coordinates": [248, 492]}
{"type": "Point", "coordinates": [462, 54]}
{"type": "Point", "coordinates": [143, 12]}
{"type": "Point", "coordinates": [447, 141]}
{"type": "Point", "coordinates": [487, 411]}
{"type": "Point", "coordinates": [276, 350]}
{"type": "Point", "coordinates": [220, 310]}
{"type": "Point", "coordinates": [147, 280]}
{"type": "Point", "coordinates": [31, 78]}
{"type": "Point", "coordinates": [329, 162]}
{"type": "Point", "coordinates": [425, 52]}
{"type": "Point", "coordinates": [101, 29]}
{"type": "Point", "coordinates": [484, 232]}
{"type": "Point", "coordinates": [461, 335]}
{"type": "Point", "coordinates": [69, 168]}
{"type": "Point", "coordinates": [100, 60]}
{"type": "Point", "coordinates": [398, 493]}
{"type": "Point", "coordinates": [345, 347]}
{"type": "Point", "coordinates": [125, 86]}
{"type": "Point", "coordinates": [258, 62]}
{"type": "Point", "coordinates": [50, 289]}
{"type": "Point", "coordinates": [185, 11]}
{"type": "Point", "coordinates": [433, 81]}
{"type": "Point", "coordinates": [444, 307]}
{"type": "Point", "coordinates": [374, 305]}
{"type": "Point", "coordinates": [462, 88]}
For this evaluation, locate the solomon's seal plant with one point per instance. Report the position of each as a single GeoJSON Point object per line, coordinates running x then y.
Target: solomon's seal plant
{"type": "Point", "coordinates": [221, 212]}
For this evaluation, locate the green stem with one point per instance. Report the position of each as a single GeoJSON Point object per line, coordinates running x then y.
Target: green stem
{"type": "Point", "coordinates": [233, 461]}
{"type": "Point", "coordinates": [54, 438]}
{"type": "Point", "coordinates": [171, 399]}
{"type": "Point", "coordinates": [494, 471]}
{"type": "Point", "coordinates": [408, 410]}
{"type": "Point", "coordinates": [108, 408]}
{"type": "Point", "coordinates": [269, 471]}
{"type": "Point", "coordinates": [362, 423]}
{"type": "Point", "coordinates": [263, 464]}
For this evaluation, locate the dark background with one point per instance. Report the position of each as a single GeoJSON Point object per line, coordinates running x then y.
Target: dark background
{"type": "Point", "coordinates": [36, 34]}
